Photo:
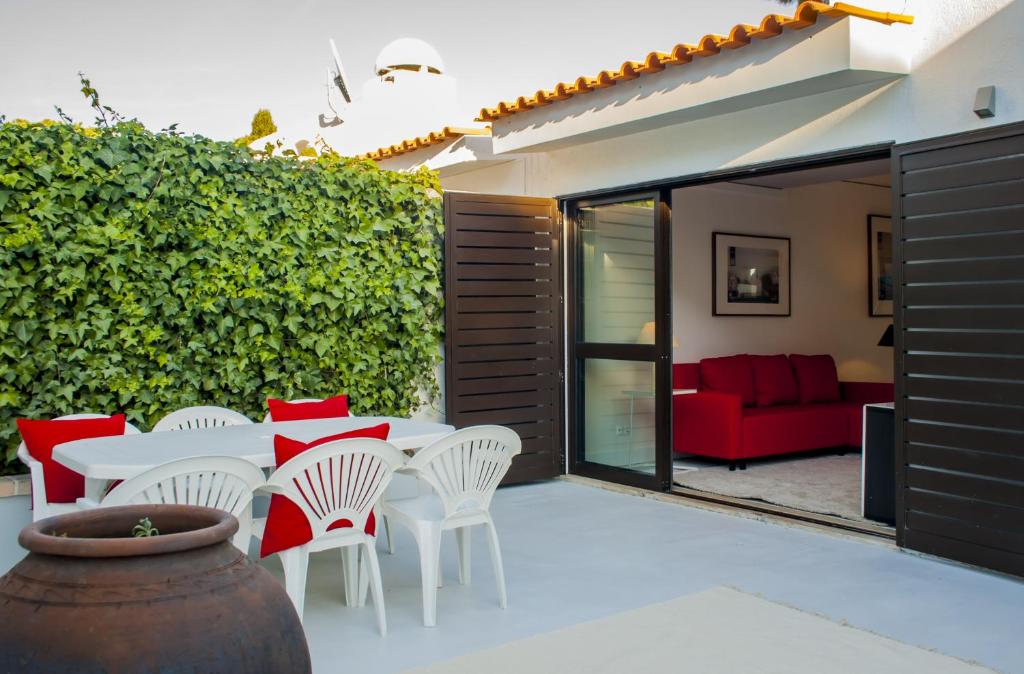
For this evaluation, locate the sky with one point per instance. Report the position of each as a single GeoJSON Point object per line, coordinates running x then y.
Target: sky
{"type": "Point", "coordinates": [208, 65]}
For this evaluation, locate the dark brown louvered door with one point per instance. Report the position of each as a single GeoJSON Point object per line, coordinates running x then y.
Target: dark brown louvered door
{"type": "Point", "coordinates": [503, 319]}
{"type": "Point", "coordinates": [960, 347]}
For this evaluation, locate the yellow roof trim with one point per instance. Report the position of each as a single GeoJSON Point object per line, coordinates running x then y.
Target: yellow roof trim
{"type": "Point", "coordinates": [420, 142]}
{"type": "Point", "coordinates": [741, 34]}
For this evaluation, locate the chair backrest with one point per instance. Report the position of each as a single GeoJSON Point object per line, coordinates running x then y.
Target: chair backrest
{"type": "Point", "coordinates": [338, 480]}
{"type": "Point", "coordinates": [267, 419]}
{"type": "Point", "coordinates": [465, 467]}
{"type": "Point", "coordinates": [202, 416]}
{"type": "Point", "coordinates": [35, 468]}
{"type": "Point", "coordinates": [222, 482]}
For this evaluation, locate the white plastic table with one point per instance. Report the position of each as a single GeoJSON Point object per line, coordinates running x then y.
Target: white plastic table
{"type": "Point", "coordinates": [119, 457]}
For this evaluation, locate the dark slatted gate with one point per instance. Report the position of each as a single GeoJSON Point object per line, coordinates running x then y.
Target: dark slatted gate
{"type": "Point", "coordinates": [503, 318]}
{"type": "Point", "coordinates": [960, 347]}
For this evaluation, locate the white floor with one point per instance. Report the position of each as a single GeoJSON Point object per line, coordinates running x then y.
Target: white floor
{"type": "Point", "coordinates": [575, 553]}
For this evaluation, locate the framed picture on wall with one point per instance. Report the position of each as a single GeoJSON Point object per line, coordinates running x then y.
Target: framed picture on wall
{"type": "Point", "coordinates": [750, 275]}
{"type": "Point", "coordinates": [880, 285]}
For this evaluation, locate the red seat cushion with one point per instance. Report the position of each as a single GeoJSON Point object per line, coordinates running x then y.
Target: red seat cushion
{"type": "Point", "coordinates": [63, 485]}
{"type": "Point", "coordinates": [731, 374]}
{"type": "Point", "coordinates": [774, 383]}
{"type": "Point", "coordinates": [287, 525]}
{"type": "Point", "coordinates": [794, 428]}
{"type": "Point", "coordinates": [816, 378]}
{"type": "Point", "coordinates": [282, 410]}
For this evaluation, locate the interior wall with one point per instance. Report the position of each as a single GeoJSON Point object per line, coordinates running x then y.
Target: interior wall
{"type": "Point", "coordinates": [827, 225]}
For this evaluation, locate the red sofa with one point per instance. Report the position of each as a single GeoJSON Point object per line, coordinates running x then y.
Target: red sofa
{"type": "Point", "coordinates": [753, 406]}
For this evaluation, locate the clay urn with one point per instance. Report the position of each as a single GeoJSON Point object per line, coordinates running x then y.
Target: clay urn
{"type": "Point", "coordinates": [91, 597]}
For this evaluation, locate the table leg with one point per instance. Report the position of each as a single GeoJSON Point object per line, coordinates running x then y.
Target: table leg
{"type": "Point", "coordinates": [95, 488]}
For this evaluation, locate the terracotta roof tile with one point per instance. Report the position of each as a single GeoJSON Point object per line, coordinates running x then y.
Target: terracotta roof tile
{"type": "Point", "coordinates": [433, 138]}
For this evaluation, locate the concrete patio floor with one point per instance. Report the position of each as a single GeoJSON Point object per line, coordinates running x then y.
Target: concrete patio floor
{"type": "Point", "coordinates": [575, 553]}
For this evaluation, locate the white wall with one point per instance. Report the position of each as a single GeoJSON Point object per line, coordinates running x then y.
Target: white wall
{"type": "Point", "coordinates": [827, 224]}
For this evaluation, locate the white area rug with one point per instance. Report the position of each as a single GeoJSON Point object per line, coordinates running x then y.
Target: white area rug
{"type": "Point", "coordinates": [716, 631]}
{"type": "Point", "coordinates": [820, 484]}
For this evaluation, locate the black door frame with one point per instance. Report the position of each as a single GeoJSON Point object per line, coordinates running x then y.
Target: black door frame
{"type": "Point", "coordinates": [658, 353]}
{"type": "Point", "coordinates": [568, 203]}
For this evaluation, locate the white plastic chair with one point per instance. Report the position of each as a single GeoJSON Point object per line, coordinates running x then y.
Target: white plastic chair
{"type": "Point", "coordinates": [222, 482]}
{"type": "Point", "coordinates": [338, 480]}
{"type": "Point", "coordinates": [202, 416]}
{"type": "Point", "coordinates": [464, 468]}
{"type": "Point", "coordinates": [41, 508]}
{"type": "Point", "coordinates": [267, 419]}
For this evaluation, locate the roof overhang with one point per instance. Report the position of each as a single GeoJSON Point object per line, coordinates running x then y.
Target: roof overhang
{"type": "Point", "coordinates": [834, 53]}
{"type": "Point", "coordinates": [459, 155]}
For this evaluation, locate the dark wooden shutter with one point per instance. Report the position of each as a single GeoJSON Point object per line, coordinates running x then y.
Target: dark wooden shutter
{"type": "Point", "coordinates": [503, 318]}
{"type": "Point", "coordinates": [959, 257]}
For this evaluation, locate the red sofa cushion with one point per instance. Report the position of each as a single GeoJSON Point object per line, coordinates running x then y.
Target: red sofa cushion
{"type": "Point", "coordinates": [281, 410]}
{"type": "Point", "coordinates": [816, 378]}
{"type": "Point", "coordinates": [774, 383]}
{"type": "Point", "coordinates": [793, 428]}
{"type": "Point", "coordinates": [685, 375]}
{"type": "Point", "coordinates": [731, 374]}
{"type": "Point", "coordinates": [287, 525]}
{"type": "Point", "coordinates": [63, 485]}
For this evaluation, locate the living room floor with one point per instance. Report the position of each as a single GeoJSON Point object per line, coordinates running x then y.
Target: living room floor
{"type": "Point", "coordinates": [817, 482]}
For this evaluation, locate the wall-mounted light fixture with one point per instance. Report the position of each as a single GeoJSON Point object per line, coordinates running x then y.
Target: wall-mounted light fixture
{"type": "Point", "coordinates": [985, 102]}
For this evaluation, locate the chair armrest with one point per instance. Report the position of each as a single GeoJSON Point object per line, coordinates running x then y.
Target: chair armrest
{"type": "Point", "coordinates": [864, 392]}
{"type": "Point", "coordinates": [707, 424]}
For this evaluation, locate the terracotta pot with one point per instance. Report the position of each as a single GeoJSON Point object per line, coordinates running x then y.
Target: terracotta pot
{"type": "Point", "coordinates": [88, 598]}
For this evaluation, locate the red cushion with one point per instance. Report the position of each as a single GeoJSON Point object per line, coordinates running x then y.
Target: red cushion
{"type": "Point", "coordinates": [287, 525]}
{"type": "Point", "coordinates": [816, 378]}
{"type": "Point", "coordinates": [774, 383]}
{"type": "Point", "coordinates": [281, 410]}
{"type": "Point", "coordinates": [794, 428]}
{"type": "Point", "coordinates": [685, 375]}
{"type": "Point", "coordinates": [731, 374]}
{"type": "Point", "coordinates": [63, 485]}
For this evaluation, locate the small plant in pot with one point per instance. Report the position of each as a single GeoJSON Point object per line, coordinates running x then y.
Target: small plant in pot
{"type": "Point", "coordinates": [115, 582]}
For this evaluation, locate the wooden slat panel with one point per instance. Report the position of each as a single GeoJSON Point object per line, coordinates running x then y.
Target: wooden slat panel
{"type": "Point", "coordinates": [987, 416]}
{"type": "Point", "coordinates": [965, 270]}
{"type": "Point", "coordinates": [967, 438]}
{"type": "Point", "coordinates": [476, 354]}
{"type": "Point", "coordinates": [976, 173]}
{"type": "Point", "coordinates": [510, 336]}
{"type": "Point", "coordinates": [973, 318]}
{"type": "Point", "coordinates": [959, 261]}
{"type": "Point", "coordinates": [968, 552]}
{"type": "Point", "coordinates": [503, 323]}
{"type": "Point", "coordinates": [969, 487]}
{"type": "Point", "coordinates": [988, 245]}
{"type": "Point", "coordinates": [993, 515]}
{"type": "Point", "coordinates": [502, 304]}
{"type": "Point", "coordinates": [966, 366]}
{"type": "Point", "coordinates": [986, 294]}
{"type": "Point", "coordinates": [503, 401]}
{"type": "Point", "coordinates": [486, 223]}
{"type": "Point", "coordinates": [999, 393]}
{"type": "Point", "coordinates": [515, 320]}
{"type": "Point", "coordinates": [963, 199]}
{"type": "Point", "coordinates": [960, 154]}
{"type": "Point", "coordinates": [506, 288]}
{"type": "Point", "coordinates": [497, 272]}
{"type": "Point", "coordinates": [960, 530]}
{"type": "Point", "coordinates": [500, 240]}
{"type": "Point", "coordinates": [976, 222]}
{"type": "Point", "coordinates": [495, 371]}
{"type": "Point", "coordinates": [965, 460]}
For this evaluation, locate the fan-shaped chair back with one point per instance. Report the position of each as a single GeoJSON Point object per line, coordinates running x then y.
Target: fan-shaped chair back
{"type": "Point", "coordinates": [202, 416]}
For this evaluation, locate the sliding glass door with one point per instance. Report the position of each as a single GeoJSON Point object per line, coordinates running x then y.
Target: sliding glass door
{"type": "Point", "coordinates": [621, 337]}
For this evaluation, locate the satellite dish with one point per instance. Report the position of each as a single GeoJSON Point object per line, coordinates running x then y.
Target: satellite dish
{"type": "Point", "coordinates": [339, 74]}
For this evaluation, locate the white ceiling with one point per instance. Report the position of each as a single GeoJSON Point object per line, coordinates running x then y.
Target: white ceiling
{"type": "Point", "coordinates": [875, 172]}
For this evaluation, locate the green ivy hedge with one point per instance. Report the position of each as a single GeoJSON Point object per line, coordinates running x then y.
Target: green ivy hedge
{"type": "Point", "coordinates": [143, 272]}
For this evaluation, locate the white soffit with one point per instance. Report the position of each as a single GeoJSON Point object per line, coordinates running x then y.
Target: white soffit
{"type": "Point", "coordinates": [834, 54]}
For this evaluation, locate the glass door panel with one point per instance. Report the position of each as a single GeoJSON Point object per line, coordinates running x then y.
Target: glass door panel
{"type": "Point", "coordinates": [620, 416]}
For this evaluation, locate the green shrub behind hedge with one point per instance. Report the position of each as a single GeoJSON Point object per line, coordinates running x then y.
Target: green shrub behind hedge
{"type": "Point", "coordinates": [143, 272]}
